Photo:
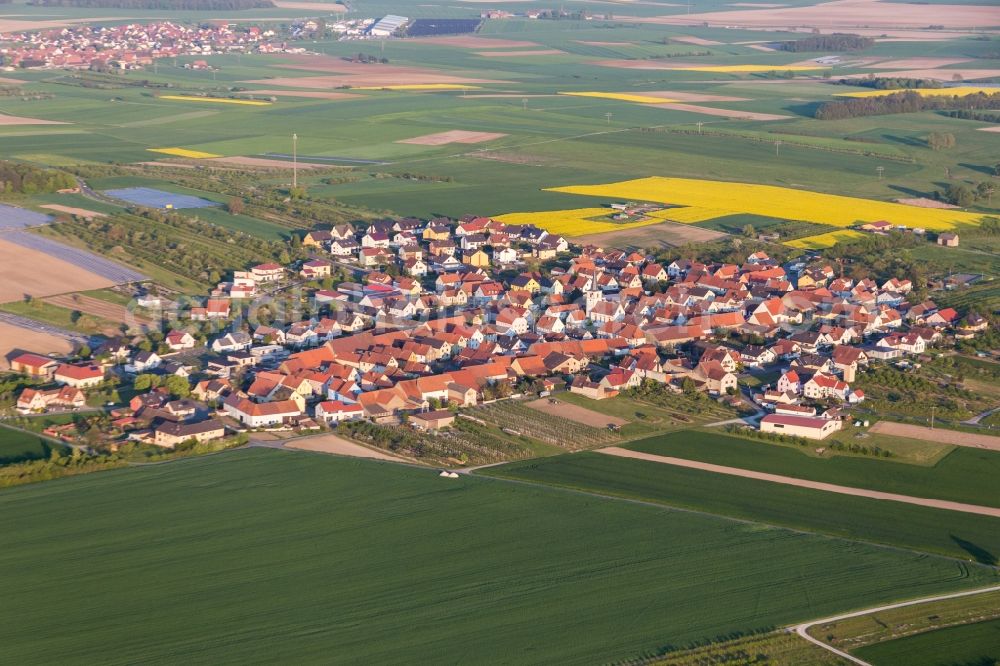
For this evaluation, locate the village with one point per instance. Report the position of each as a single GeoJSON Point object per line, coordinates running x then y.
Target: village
{"type": "Point", "coordinates": [439, 316]}
{"type": "Point", "coordinates": [135, 45]}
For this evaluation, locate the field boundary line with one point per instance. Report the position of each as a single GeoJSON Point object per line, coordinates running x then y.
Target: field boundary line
{"type": "Point", "coordinates": [803, 629]}
{"type": "Point", "coordinates": [947, 505]}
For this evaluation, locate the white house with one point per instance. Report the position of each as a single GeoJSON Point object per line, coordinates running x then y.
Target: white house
{"type": "Point", "coordinates": [334, 411]}
{"type": "Point", "coordinates": [258, 414]}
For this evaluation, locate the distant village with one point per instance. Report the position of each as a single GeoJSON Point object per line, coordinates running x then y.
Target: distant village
{"type": "Point", "coordinates": [133, 46]}
{"type": "Point", "coordinates": [441, 315]}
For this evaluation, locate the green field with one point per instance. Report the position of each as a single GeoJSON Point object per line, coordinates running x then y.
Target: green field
{"type": "Point", "coordinates": [964, 475]}
{"type": "Point", "coordinates": [972, 644]}
{"type": "Point", "coordinates": [262, 555]}
{"type": "Point", "coordinates": [949, 533]}
{"type": "Point", "coordinates": [16, 446]}
{"type": "Point", "coordinates": [552, 140]}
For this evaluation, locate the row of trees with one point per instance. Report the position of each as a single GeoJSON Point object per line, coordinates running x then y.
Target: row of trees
{"type": "Point", "coordinates": [890, 82]}
{"type": "Point", "coordinates": [972, 114]}
{"type": "Point", "coordinates": [960, 194]}
{"type": "Point", "coordinates": [903, 102]}
{"type": "Point", "coordinates": [834, 42]}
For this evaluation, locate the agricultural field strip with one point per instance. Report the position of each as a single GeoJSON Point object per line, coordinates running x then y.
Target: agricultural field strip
{"type": "Point", "coordinates": [952, 437]}
{"type": "Point", "coordinates": [83, 259]}
{"type": "Point", "coordinates": [94, 306]}
{"type": "Point", "coordinates": [679, 558]}
{"type": "Point", "coordinates": [803, 483]}
{"type": "Point", "coordinates": [803, 628]}
{"type": "Point", "coordinates": [773, 201]}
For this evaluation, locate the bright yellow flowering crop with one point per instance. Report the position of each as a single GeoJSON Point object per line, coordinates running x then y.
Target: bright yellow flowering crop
{"type": "Point", "coordinates": [770, 201]}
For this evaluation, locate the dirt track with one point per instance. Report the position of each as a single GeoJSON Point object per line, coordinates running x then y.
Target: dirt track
{"type": "Point", "coordinates": [338, 446]}
{"type": "Point", "coordinates": [576, 413]}
{"type": "Point", "coordinates": [802, 483]}
{"type": "Point", "coordinates": [71, 210]}
{"type": "Point", "coordinates": [953, 437]}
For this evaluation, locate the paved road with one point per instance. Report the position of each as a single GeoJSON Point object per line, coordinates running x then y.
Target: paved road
{"type": "Point", "coordinates": [617, 451]}
{"type": "Point", "coordinates": [979, 417]}
{"type": "Point", "coordinates": [803, 629]}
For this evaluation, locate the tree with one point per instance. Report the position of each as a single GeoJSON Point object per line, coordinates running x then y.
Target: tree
{"type": "Point", "coordinates": [960, 195]}
{"type": "Point", "coordinates": [144, 382]}
{"type": "Point", "coordinates": [749, 231]}
{"type": "Point", "coordinates": [83, 351]}
{"type": "Point", "coordinates": [940, 140]}
{"type": "Point", "coordinates": [178, 386]}
{"type": "Point", "coordinates": [234, 206]}
{"type": "Point", "coordinates": [986, 189]}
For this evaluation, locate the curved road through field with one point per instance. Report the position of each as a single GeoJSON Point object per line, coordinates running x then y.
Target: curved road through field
{"type": "Point", "coordinates": [619, 452]}
{"type": "Point", "coordinates": [803, 629]}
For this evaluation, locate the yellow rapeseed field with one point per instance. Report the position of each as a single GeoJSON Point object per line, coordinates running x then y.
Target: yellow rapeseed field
{"type": "Point", "coordinates": [821, 241]}
{"type": "Point", "coordinates": [573, 222]}
{"type": "Point", "coordinates": [958, 91]}
{"type": "Point", "coordinates": [771, 201]}
{"type": "Point", "coordinates": [216, 100]}
{"type": "Point", "coordinates": [419, 86]}
{"type": "Point", "coordinates": [748, 68]}
{"type": "Point", "coordinates": [625, 97]}
{"type": "Point", "coordinates": [183, 152]}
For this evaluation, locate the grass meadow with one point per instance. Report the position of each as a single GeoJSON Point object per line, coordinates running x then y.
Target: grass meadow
{"type": "Point", "coordinates": [905, 526]}
{"type": "Point", "coordinates": [17, 446]}
{"type": "Point", "coordinates": [964, 475]}
{"type": "Point", "coordinates": [260, 555]}
{"type": "Point", "coordinates": [975, 644]}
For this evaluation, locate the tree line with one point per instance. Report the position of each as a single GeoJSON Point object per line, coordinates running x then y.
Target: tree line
{"type": "Point", "coordinates": [903, 102]}
{"type": "Point", "coordinates": [890, 83]}
{"type": "Point", "coordinates": [26, 179]}
{"type": "Point", "coordinates": [834, 42]}
{"type": "Point", "coordinates": [971, 114]}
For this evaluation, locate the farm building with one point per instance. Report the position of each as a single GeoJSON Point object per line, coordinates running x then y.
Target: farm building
{"type": "Point", "coordinates": [79, 376]}
{"type": "Point", "coordinates": [387, 25]}
{"type": "Point", "coordinates": [34, 365]}
{"type": "Point", "coordinates": [811, 427]}
{"type": "Point", "coordinates": [948, 239]}
{"type": "Point", "coordinates": [435, 420]}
